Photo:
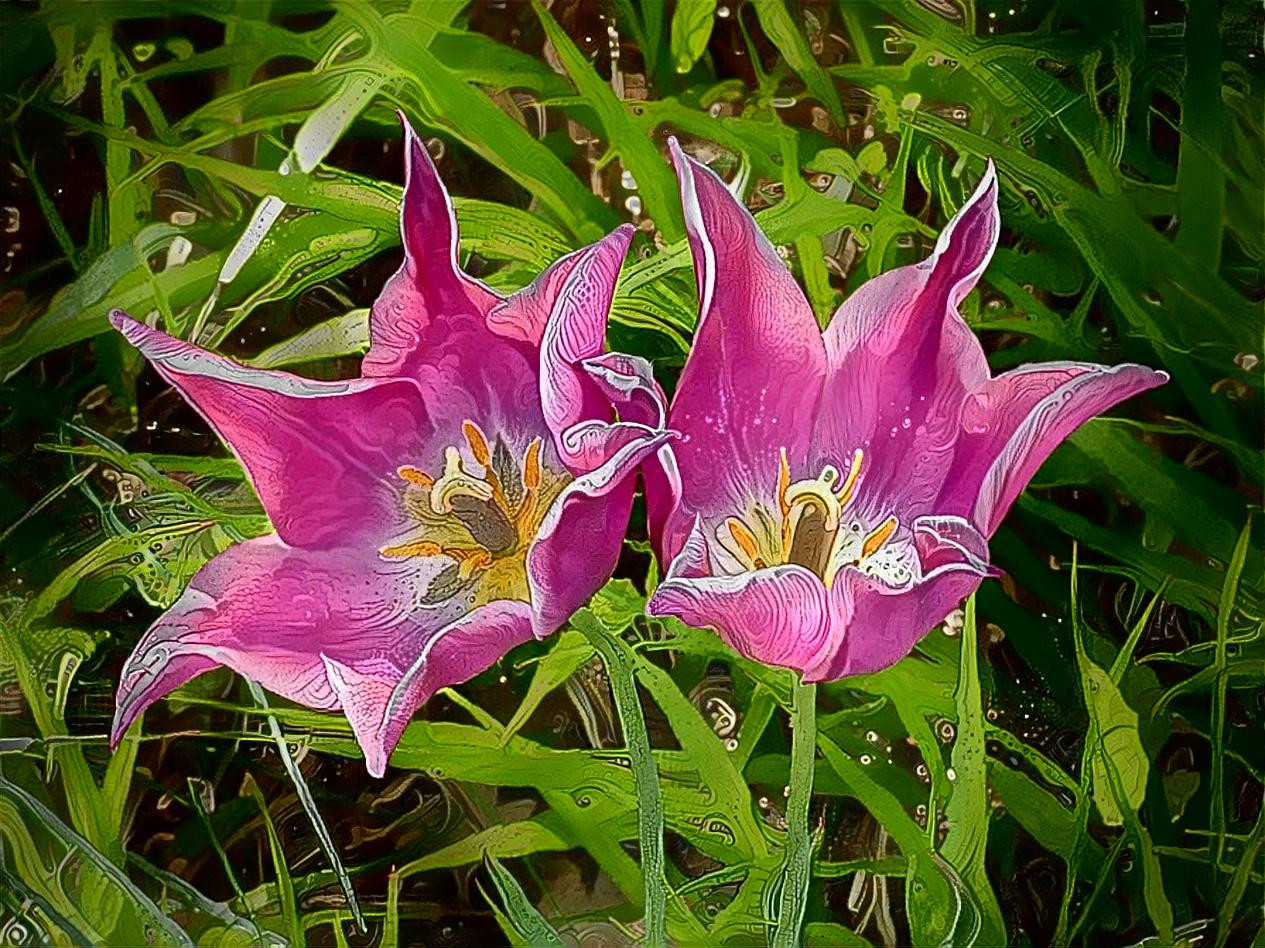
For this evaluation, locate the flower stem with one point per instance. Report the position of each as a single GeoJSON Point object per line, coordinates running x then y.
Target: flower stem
{"type": "Point", "coordinates": [619, 661]}
{"type": "Point", "coordinates": [797, 867]}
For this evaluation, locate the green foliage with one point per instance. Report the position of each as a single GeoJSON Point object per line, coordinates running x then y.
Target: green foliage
{"type": "Point", "coordinates": [1075, 763]}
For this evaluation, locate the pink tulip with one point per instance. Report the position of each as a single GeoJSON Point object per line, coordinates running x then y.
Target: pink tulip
{"type": "Point", "coordinates": [468, 491]}
{"type": "Point", "coordinates": [832, 493]}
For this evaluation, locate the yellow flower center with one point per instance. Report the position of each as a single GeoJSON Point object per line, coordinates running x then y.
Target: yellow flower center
{"type": "Point", "coordinates": [809, 528]}
{"type": "Point", "coordinates": [482, 519]}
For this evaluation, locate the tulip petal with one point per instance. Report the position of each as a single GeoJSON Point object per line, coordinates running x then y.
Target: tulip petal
{"type": "Point", "coordinates": [582, 535]}
{"type": "Point", "coordinates": [380, 706]}
{"type": "Point", "coordinates": [629, 383]}
{"type": "Point", "coordinates": [574, 332]}
{"type": "Point", "coordinates": [779, 616]}
{"type": "Point", "coordinates": [902, 360]}
{"type": "Point", "coordinates": [321, 455]}
{"type": "Point", "coordinates": [884, 624]}
{"type": "Point", "coordinates": [429, 295]}
{"type": "Point", "coordinates": [1013, 422]}
{"type": "Point", "coordinates": [524, 315]}
{"type": "Point", "coordinates": [326, 629]}
{"type": "Point", "coordinates": [751, 384]}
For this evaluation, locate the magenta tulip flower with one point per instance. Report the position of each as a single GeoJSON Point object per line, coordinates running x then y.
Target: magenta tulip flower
{"type": "Point", "coordinates": [833, 493]}
{"type": "Point", "coordinates": [469, 491]}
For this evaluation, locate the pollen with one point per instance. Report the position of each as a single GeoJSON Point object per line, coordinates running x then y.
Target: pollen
{"type": "Point", "coordinates": [875, 539]}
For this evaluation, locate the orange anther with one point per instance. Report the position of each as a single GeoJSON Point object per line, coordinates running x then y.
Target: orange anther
{"type": "Point", "coordinates": [875, 539]}
{"type": "Point", "coordinates": [478, 443]}
{"type": "Point", "coordinates": [531, 465]}
{"type": "Point", "coordinates": [416, 477]}
{"type": "Point", "coordinates": [743, 537]}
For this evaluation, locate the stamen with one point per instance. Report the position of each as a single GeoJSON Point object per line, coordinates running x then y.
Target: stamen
{"type": "Point", "coordinates": [417, 548]}
{"type": "Point", "coordinates": [850, 482]}
{"type": "Point", "coordinates": [743, 537]}
{"type": "Point", "coordinates": [415, 477]}
{"type": "Point", "coordinates": [478, 443]}
{"type": "Point", "coordinates": [470, 560]}
{"type": "Point", "coordinates": [783, 480]}
{"type": "Point", "coordinates": [875, 539]}
{"type": "Point", "coordinates": [531, 465]}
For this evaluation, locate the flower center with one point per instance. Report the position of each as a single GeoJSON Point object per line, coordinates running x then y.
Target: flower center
{"type": "Point", "coordinates": [482, 519]}
{"type": "Point", "coordinates": [810, 529]}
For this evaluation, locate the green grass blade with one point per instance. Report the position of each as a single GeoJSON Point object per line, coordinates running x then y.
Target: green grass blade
{"type": "Point", "coordinates": [1216, 816]}
{"type": "Point", "coordinates": [285, 884]}
{"type": "Point", "coordinates": [523, 917]}
{"type": "Point", "coordinates": [309, 806]}
{"type": "Point", "coordinates": [627, 138]}
{"type": "Point", "coordinates": [782, 29]}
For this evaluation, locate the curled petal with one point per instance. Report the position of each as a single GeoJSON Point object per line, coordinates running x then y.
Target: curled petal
{"type": "Point", "coordinates": [902, 360]}
{"type": "Point", "coordinates": [321, 455]}
{"type": "Point", "coordinates": [581, 537]}
{"type": "Point", "coordinates": [629, 384]}
{"type": "Point", "coordinates": [1012, 423]}
{"type": "Point", "coordinates": [751, 384]}
{"type": "Point", "coordinates": [945, 543]}
{"type": "Point", "coordinates": [576, 331]}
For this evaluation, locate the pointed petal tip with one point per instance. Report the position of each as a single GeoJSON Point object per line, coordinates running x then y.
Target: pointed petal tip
{"type": "Point", "coordinates": [124, 323]}
{"type": "Point", "coordinates": [682, 162]}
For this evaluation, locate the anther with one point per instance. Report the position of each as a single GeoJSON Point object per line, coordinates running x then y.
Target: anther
{"type": "Point", "coordinates": [783, 481]}
{"type": "Point", "coordinates": [744, 538]}
{"type": "Point", "coordinates": [478, 443]}
{"type": "Point", "coordinates": [531, 465]}
{"type": "Point", "coordinates": [415, 477]}
{"type": "Point", "coordinates": [418, 548]}
{"type": "Point", "coordinates": [875, 539]}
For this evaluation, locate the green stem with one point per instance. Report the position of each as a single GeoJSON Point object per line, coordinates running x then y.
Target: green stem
{"type": "Point", "coordinates": [619, 659]}
{"type": "Point", "coordinates": [797, 868]}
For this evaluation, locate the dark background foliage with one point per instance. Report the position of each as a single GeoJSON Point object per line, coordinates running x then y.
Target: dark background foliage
{"type": "Point", "coordinates": [138, 139]}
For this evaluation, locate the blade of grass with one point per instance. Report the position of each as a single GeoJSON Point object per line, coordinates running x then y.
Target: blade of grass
{"type": "Point", "coordinates": [1238, 882]}
{"type": "Point", "coordinates": [285, 885]}
{"type": "Point", "coordinates": [796, 874]}
{"type": "Point", "coordinates": [781, 28]}
{"type": "Point", "coordinates": [309, 806]}
{"type": "Point", "coordinates": [1216, 817]}
{"type": "Point", "coordinates": [523, 917]}
{"type": "Point", "coordinates": [195, 801]}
